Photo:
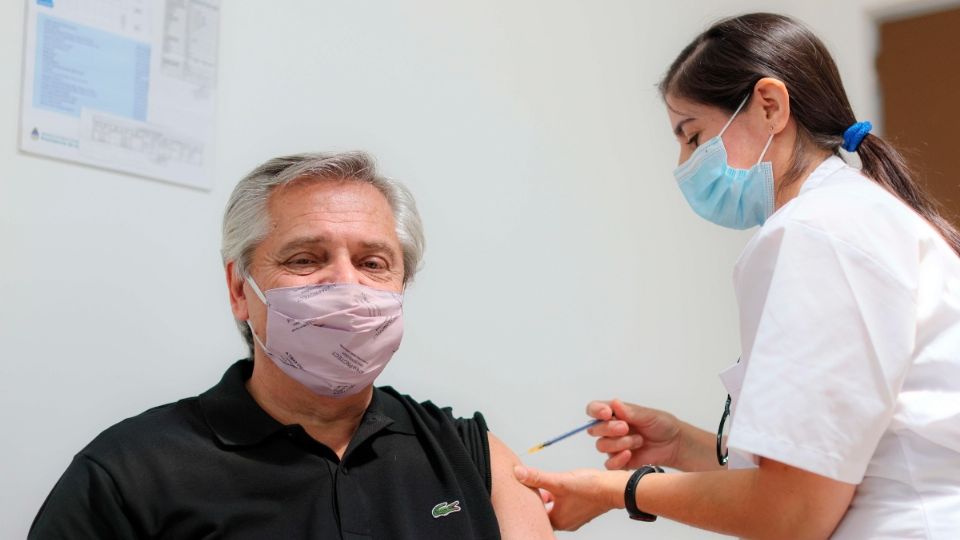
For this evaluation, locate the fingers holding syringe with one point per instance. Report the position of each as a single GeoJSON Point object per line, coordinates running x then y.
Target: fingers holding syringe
{"type": "Point", "coordinates": [609, 426]}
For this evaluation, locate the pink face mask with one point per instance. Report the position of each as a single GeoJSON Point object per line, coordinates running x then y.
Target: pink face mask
{"type": "Point", "coordinates": [334, 339]}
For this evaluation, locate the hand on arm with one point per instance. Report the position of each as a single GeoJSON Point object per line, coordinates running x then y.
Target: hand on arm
{"type": "Point", "coordinates": [520, 510]}
{"type": "Point", "coordinates": [578, 496]}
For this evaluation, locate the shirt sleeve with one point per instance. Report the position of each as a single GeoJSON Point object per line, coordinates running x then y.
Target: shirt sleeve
{"type": "Point", "coordinates": [834, 335]}
{"type": "Point", "coordinates": [473, 434]}
{"type": "Point", "coordinates": [84, 504]}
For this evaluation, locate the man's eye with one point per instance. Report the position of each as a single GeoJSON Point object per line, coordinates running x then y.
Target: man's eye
{"type": "Point", "coordinates": [301, 260]}
{"type": "Point", "coordinates": [374, 264]}
{"type": "Point", "coordinates": [302, 265]}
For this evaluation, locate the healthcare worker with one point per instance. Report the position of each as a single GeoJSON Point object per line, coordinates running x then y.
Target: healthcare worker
{"type": "Point", "coordinates": [844, 409]}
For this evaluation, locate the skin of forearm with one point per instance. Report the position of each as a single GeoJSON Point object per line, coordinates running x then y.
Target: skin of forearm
{"type": "Point", "coordinates": [749, 503]}
{"type": "Point", "coordinates": [697, 450]}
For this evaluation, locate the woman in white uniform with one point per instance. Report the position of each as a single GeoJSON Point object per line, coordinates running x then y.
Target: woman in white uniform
{"type": "Point", "coordinates": [845, 407]}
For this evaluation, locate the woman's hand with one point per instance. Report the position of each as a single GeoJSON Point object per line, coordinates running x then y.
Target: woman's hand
{"type": "Point", "coordinates": [633, 436]}
{"type": "Point", "coordinates": [576, 496]}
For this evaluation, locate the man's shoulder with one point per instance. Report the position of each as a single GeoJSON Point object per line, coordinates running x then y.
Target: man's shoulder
{"type": "Point", "coordinates": [155, 430]}
{"type": "Point", "coordinates": [462, 440]}
{"type": "Point", "coordinates": [427, 411]}
{"type": "Point", "coordinates": [179, 426]}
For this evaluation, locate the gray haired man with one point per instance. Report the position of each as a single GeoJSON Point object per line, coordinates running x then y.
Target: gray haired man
{"type": "Point", "coordinates": [296, 442]}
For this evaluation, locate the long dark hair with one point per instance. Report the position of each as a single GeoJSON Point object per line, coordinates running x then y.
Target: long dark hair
{"type": "Point", "coordinates": [723, 64]}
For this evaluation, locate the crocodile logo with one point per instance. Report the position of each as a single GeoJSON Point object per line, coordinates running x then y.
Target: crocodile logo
{"type": "Point", "coordinates": [445, 509]}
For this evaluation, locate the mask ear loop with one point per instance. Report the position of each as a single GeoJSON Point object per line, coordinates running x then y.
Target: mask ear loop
{"type": "Point", "coordinates": [765, 148]}
{"type": "Point", "coordinates": [256, 290]}
{"type": "Point", "coordinates": [735, 113]}
{"type": "Point", "coordinates": [255, 337]}
{"type": "Point", "coordinates": [730, 121]}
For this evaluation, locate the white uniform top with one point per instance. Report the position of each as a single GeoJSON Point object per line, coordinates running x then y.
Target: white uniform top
{"type": "Point", "coordinates": [850, 334]}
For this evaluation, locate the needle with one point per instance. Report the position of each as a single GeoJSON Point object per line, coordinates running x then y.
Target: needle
{"type": "Point", "coordinates": [543, 445]}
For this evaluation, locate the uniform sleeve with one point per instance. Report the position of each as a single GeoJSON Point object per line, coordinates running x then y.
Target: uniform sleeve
{"type": "Point", "coordinates": [834, 337]}
{"type": "Point", "coordinates": [84, 504]}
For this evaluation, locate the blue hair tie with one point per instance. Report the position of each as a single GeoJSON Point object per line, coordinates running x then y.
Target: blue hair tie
{"type": "Point", "coordinates": [854, 135]}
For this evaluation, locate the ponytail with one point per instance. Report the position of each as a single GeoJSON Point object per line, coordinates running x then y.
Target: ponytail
{"type": "Point", "coordinates": [885, 166]}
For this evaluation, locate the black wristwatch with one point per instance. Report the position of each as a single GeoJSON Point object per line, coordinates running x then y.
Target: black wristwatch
{"type": "Point", "coordinates": [630, 493]}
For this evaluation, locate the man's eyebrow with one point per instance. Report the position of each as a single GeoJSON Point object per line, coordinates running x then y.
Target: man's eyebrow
{"type": "Point", "coordinates": [678, 129]}
{"type": "Point", "coordinates": [312, 241]}
{"type": "Point", "coordinates": [303, 241]}
{"type": "Point", "coordinates": [379, 246]}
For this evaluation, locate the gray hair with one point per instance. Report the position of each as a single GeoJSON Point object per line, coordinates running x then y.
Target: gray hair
{"type": "Point", "coordinates": [246, 220]}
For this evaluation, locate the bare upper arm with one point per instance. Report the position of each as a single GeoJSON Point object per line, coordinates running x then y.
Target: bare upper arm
{"type": "Point", "coordinates": [519, 509]}
{"type": "Point", "coordinates": [813, 505]}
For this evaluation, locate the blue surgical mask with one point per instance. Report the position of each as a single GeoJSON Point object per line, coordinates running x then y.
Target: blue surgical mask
{"type": "Point", "coordinates": [727, 196]}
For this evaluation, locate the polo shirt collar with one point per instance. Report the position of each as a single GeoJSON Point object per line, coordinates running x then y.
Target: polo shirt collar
{"type": "Point", "coordinates": [386, 411]}
{"type": "Point", "coordinates": [237, 420]}
{"type": "Point", "coordinates": [232, 413]}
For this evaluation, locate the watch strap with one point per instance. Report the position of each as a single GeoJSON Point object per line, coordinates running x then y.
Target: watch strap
{"type": "Point", "coordinates": [630, 493]}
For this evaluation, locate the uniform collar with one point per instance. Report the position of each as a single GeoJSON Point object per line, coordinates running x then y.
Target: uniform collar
{"type": "Point", "coordinates": [826, 168]}
{"type": "Point", "coordinates": [237, 420]}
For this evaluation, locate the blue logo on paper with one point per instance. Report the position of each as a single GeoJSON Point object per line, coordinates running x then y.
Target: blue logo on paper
{"type": "Point", "coordinates": [45, 3]}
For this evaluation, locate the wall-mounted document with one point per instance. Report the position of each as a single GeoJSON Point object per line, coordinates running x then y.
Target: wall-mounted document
{"type": "Point", "coordinates": [128, 85]}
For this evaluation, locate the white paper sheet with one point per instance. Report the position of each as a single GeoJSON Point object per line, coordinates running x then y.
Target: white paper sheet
{"type": "Point", "coordinates": [128, 85]}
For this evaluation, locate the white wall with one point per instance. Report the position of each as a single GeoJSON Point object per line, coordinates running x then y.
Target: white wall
{"type": "Point", "coordinates": [562, 263]}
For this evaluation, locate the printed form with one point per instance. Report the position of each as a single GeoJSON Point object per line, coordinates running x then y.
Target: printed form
{"type": "Point", "coordinates": [128, 85]}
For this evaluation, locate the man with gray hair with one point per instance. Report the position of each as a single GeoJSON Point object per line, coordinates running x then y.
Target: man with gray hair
{"type": "Point", "coordinates": [296, 442]}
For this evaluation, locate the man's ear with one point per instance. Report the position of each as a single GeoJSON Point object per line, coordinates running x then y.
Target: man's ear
{"type": "Point", "coordinates": [774, 100]}
{"type": "Point", "coordinates": [238, 298]}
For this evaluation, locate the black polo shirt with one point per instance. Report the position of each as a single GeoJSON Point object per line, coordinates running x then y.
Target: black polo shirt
{"type": "Point", "coordinates": [218, 466]}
